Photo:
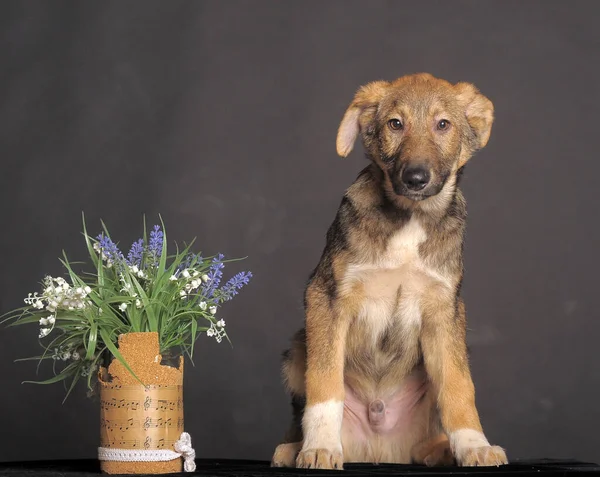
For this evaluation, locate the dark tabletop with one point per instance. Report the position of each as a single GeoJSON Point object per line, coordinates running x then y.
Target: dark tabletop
{"type": "Point", "coordinates": [250, 468]}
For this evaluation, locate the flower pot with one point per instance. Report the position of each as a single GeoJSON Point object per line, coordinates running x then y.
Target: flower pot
{"type": "Point", "coordinates": [141, 426]}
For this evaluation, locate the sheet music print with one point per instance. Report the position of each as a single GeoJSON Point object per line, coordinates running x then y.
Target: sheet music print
{"type": "Point", "coordinates": [138, 417]}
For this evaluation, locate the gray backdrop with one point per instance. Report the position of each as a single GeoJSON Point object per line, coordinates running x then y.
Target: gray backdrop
{"type": "Point", "coordinates": [222, 117]}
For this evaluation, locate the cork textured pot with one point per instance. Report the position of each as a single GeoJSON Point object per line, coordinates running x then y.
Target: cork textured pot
{"type": "Point", "coordinates": [141, 417]}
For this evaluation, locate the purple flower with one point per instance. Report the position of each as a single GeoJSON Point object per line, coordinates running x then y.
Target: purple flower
{"type": "Point", "coordinates": [156, 244]}
{"type": "Point", "coordinates": [156, 241]}
{"type": "Point", "coordinates": [231, 288]}
{"type": "Point", "coordinates": [109, 249]}
{"type": "Point", "coordinates": [215, 274]}
{"type": "Point", "coordinates": [136, 253]}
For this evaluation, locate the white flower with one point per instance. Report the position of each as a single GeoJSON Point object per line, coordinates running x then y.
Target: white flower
{"type": "Point", "coordinates": [39, 305]}
{"type": "Point", "coordinates": [186, 274]}
{"type": "Point", "coordinates": [203, 305]}
{"type": "Point", "coordinates": [138, 303]}
{"type": "Point", "coordinates": [88, 290]}
{"type": "Point", "coordinates": [51, 320]}
{"type": "Point", "coordinates": [79, 291]}
{"type": "Point", "coordinates": [221, 323]}
{"type": "Point", "coordinates": [217, 331]}
{"type": "Point", "coordinates": [141, 274]}
{"type": "Point", "coordinates": [205, 278]}
{"type": "Point", "coordinates": [134, 268]}
{"type": "Point", "coordinates": [213, 310]}
{"type": "Point", "coordinates": [195, 283]}
{"type": "Point", "coordinates": [182, 293]}
{"type": "Point", "coordinates": [43, 321]}
{"type": "Point", "coordinates": [44, 332]}
{"type": "Point", "coordinates": [66, 355]}
{"type": "Point", "coordinates": [123, 306]}
{"type": "Point", "coordinates": [173, 278]}
{"type": "Point", "coordinates": [99, 311]}
{"type": "Point", "coordinates": [196, 273]}
{"type": "Point", "coordinates": [75, 356]}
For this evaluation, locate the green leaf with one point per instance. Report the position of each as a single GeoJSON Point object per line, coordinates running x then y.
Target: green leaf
{"type": "Point", "coordinates": [11, 315]}
{"type": "Point", "coordinates": [94, 363]}
{"type": "Point", "coordinates": [33, 358]}
{"type": "Point", "coordinates": [64, 374]}
{"type": "Point", "coordinates": [91, 344]}
{"type": "Point", "coordinates": [152, 320]}
{"type": "Point", "coordinates": [73, 383]}
{"type": "Point", "coordinates": [163, 256]}
{"type": "Point", "coordinates": [194, 333]}
{"type": "Point", "coordinates": [75, 280]}
{"type": "Point", "coordinates": [101, 279]}
{"type": "Point", "coordinates": [95, 258]}
{"type": "Point", "coordinates": [30, 319]}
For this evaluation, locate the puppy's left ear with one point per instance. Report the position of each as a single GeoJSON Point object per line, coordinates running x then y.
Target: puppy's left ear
{"type": "Point", "coordinates": [359, 114]}
{"type": "Point", "coordinates": [479, 112]}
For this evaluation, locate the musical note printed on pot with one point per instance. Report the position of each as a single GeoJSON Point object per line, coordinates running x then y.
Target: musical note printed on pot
{"type": "Point", "coordinates": [140, 417]}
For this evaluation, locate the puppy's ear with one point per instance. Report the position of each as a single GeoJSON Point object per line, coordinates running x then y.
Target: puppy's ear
{"type": "Point", "coordinates": [479, 112]}
{"type": "Point", "coordinates": [360, 112]}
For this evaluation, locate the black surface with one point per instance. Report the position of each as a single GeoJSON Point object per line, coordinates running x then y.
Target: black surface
{"type": "Point", "coordinates": [222, 117]}
{"type": "Point", "coordinates": [260, 468]}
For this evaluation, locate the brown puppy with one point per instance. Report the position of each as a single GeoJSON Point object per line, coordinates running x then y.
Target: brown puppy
{"type": "Point", "coordinates": [380, 371]}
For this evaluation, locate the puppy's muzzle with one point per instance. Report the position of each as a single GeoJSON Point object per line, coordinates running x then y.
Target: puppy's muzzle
{"type": "Point", "coordinates": [416, 178]}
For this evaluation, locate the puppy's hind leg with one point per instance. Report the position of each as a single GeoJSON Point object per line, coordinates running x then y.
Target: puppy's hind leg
{"type": "Point", "coordinates": [433, 452]}
{"type": "Point", "coordinates": [285, 453]}
{"type": "Point", "coordinates": [294, 368]}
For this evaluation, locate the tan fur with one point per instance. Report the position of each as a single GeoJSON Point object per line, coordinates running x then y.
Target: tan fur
{"type": "Point", "coordinates": [434, 451]}
{"type": "Point", "coordinates": [383, 311]}
{"type": "Point", "coordinates": [285, 454]}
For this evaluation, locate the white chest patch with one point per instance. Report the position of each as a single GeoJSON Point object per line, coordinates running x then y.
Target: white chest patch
{"type": "Point", "coordinates": [403, 246]}
{"type": "Point", "coordinates": [398, 269]}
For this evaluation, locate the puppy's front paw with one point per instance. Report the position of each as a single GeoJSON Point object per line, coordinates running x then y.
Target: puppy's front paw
{"type": "Point", "coordinates": [471, 448]}
{"type": "Point", "coordinates": [320, 459]}
{"type": "Point", "coordinates": [485, 456]}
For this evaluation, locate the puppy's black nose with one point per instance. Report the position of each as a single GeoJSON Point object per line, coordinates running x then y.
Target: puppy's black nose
{"type": "Point", "coordinates": [415, 178]}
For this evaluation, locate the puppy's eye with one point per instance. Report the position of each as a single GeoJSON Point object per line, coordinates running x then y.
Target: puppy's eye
{"type": "Point", "coordinates": [443, 124]}
{"type": "Point", "coordinates": [395, 124]}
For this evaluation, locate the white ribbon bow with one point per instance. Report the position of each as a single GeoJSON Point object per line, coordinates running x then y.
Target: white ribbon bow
{"type": "Point", "coordinates": [184, 447]}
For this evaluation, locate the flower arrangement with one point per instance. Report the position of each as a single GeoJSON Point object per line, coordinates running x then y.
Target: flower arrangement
{"type": "Point", "coordinates": [82, 316]}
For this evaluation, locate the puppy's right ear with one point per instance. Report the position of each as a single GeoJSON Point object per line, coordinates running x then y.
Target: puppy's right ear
{"type": "Point", "coordinates": [359, 113]}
